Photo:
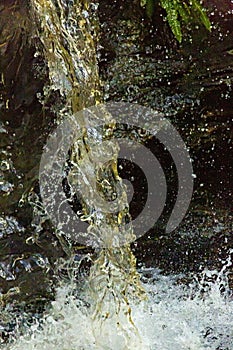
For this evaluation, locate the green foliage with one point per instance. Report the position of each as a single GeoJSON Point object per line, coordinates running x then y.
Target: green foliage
{"type": "Point", "coordinates": [150, 6]}
{"type": "Point", "coordinates": [178, 11]}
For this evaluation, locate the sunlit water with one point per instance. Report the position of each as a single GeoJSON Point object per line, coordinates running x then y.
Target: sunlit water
{"type": "Point", "coordinates": [178, 316]}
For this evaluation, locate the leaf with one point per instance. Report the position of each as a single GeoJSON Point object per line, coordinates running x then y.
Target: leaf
{"type": "Point", "coordinates": [143, 2]}
{"type": "Point", "coordinates": [172, 17]}
{"type": "Point", "coordinates": [164, 4]}
{"type": "Point", "coordinates": [174, 23]}
{"type": "Point", "coordinates": [202, 14]}
{"type": "Point", "coordinates": [179, 10]}
{"type": "Point", "coordinates": [184, 11]}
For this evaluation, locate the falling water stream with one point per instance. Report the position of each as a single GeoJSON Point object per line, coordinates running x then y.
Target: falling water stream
{"type": "Point", "coordinates": [69, 47]}
{"type": "Point", "coordinates": [116, 307]}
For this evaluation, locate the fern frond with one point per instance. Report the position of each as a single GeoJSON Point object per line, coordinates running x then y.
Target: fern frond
{"type": "Point", "coordinates": [201, 13]}
{"type": "Point", "coordinates": [143, 2]}
{"type": "Point", "coordinates": [172, 17]}
{"type": "Point", "coordinates": [183, 11]}
{"type": "Point", "coordinates": [186, 11]}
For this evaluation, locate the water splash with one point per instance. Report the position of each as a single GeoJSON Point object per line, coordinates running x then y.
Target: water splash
{"type": "Point", "coordinates": [195, 316]}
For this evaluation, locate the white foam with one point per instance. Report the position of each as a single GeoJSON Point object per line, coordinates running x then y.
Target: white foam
{"type": "Point", "coordinates": [175, 317]}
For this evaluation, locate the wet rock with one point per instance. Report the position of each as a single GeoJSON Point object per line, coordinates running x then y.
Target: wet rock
{"type": "Point", "coordinates": [25, 124]}
{"type": "Point", "coordinates": [191, 84]}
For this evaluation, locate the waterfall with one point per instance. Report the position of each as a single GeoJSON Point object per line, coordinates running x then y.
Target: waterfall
{"type": "Point", "coordinates": [68, 31]}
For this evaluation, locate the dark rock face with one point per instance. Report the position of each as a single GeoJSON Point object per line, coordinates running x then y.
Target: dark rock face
{"type": "Point", "coordinates": [220, 7]}
{"type": "Point", "coordinates": [191, 84]}
{"type": "Point", "coordinates": [24, 128]}
{"type": "Point", "coordinates": [19, 103]}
